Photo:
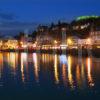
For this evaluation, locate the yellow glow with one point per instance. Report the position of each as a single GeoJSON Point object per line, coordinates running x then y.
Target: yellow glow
{"type": "Point", "coordinates": [98, 47]}
{"type": "Point", "coordinates": [1, 64]}
{"type": "Point", "coordinates": [78, 75]}
{"type": "Point", "coordinates": [55, 42]}
{"type": "Point", "coordinates": [35, 42]}
{"type": "Point", "coordinates": [12, 58]}
{"type": "Point", "coordinates": [46, 58]}
{"type": "Point", "coordinates": [11, 44]}
{"type": "Point", "coordinates": [90, 80]}
{"type": "Point", "coordinates": [88, 41]}
{"type": "Point", "coordinates": [36, 67]}
{"type": "Point", "coordinates": [21, 43]}
{"type": "Point", "coordinates": [24, 46]}
{"type": "Point", "coordinates": [78, 72]}
{"type": "Point", "coordinates": [82, 73]}
{"type": "Point", "coordinates": [69, 41]}
{"type": "Point", "coordinates": [23, 62]}
{"type": "Point", "coordinates": [1, 59]}
{"type": "Point", "coordinates": [70, 71]}
{"type": "Point", "coordinates": [56, 69]}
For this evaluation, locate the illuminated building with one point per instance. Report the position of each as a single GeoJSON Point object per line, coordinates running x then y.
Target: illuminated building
{"type": "Point", "coordinates": [72, 42]}
{"type": "Point", "coordinates": [1, 43]}
{"type": "Point", "coordinates": [85, 43]}
{"type": "Point", "coordinates": [58, 31]}
{"type": "Point", "coordinates": [44, 39]}
{"type": "Point", "coordinates": [9, 43]}
{"type": "Point", "coordinates": [95, 36]}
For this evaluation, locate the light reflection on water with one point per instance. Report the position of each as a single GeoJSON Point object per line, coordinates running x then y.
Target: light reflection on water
{"type": "Point", "coordinates": [56, 69]}
{"type": "Point", "coordinates": [36, 67]}
{"type": "Point", "coordinates": [61, 70]}
{"type": "Point", "coordinates": [89, 74]}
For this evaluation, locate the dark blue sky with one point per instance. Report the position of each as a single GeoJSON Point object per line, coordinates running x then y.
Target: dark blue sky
{"type": "Point", "coordinates": [48, 10]}
{"type": "Point", "coordinates": [25, 15]}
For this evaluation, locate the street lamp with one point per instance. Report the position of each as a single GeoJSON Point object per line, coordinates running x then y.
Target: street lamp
{"type": "Point", "coordinates": [89, 41]}
{"type": "Point", "coordinates": [69, 41]}
{"type": "Point", "coordinates": [55, 42]}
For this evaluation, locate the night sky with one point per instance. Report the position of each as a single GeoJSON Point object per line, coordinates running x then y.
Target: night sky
{"type": "Point", "coordinates": [32, 12]}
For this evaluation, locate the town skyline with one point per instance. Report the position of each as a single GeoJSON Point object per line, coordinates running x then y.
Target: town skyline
{"type": "Point", "coordinates": [14, 28]}
{"type": "Point", "coordinates": [18, 15]}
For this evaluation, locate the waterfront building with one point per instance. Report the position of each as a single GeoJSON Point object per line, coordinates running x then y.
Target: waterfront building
{"type": "Point", "coordinates": [30, 42]}
{"type": "Point", "coordinates": [9, 43]}
{"type": "Point", "coordinates": [44, 40]}
{"type": "Point", "coordinates": [95, 37]}
{"type": "Point", "coordinates": [59, 31]}
{"type": "Point", "coordinates": [1, 43]}
{"type": "Point", "coordinates": [72, 42]}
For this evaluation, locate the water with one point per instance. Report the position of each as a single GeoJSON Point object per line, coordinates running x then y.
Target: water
{"type": "Point", "coordinates": [32, 76]}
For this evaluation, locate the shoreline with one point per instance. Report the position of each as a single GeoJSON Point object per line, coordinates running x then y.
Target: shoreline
{"type": "Point", "coordinates": [75, 52]}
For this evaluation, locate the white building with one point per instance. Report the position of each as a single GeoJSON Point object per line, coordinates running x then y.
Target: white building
{"type": "Point", "coordinates": [95, 36]}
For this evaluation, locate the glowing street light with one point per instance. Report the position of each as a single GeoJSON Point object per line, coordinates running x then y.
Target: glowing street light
{"type": "Point", "coordinates": [89, 41]}
{"type": "Point", "coordinates": [55, 42]}
{"type": "Point", "coordinates": [69, 41]}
